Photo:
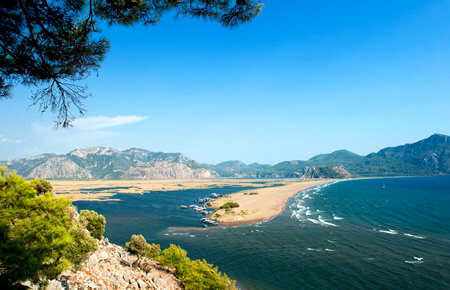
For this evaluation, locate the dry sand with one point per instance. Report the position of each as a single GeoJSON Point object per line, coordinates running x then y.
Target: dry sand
{"type": "Point", "coordinates": [260, 204]}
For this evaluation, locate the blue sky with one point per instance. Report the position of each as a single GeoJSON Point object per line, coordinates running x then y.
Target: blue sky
{"type": "Point", "coordinates": [306, 77]}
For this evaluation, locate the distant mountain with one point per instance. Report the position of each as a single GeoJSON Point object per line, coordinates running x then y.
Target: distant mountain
{"type": "Point", "coordinates": [237, 169]}
{"type": "Point", "coordinates": [109, 163]}
{"type": "Point", "coordinates": [341, 157]}
{"type": "Point", "coordinates": [430, 156]}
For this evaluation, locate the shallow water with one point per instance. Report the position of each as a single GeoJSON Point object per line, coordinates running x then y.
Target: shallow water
{"type": "Point", "coordinates": [373, 233]}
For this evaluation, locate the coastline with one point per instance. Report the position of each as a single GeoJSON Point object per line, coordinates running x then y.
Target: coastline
{"type": "Point", "coordinates": [264, 204]}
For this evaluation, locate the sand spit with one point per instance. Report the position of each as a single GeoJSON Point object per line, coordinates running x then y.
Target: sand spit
{"type": "Point", "coordinates": [260, 204]}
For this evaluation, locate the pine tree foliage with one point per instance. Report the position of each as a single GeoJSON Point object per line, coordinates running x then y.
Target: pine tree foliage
{"type": "Point", "coordinates": [34, 234]}
{"type": "Point", "coordinates": [53, 45]}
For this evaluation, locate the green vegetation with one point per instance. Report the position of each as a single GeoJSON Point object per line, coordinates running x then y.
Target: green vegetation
{"type": "Point", "coordinates": [34, 235]}
{"type": "Point", "coordinates": [83, 243]}
{"type": "Point", "coordinates": [42, 186]}
{"type": "Point", "coordinates": [194, 274]}
{"type": "Point", "coordinates": [95, 223]}
{"type": "Point", "coordinates": [139, 246]}
{"type": "Point", "coordinates": [229, 205]}
{"type": "Point", "coordinates": [40, 235]}
{"type": "Point", "coordinates": [251, 193]}
{"type": "Point", "coordinates": [33, 31]}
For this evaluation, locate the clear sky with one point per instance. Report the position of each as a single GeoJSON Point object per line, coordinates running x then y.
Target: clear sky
{"type": "Point", "coordinates": [306, 77]}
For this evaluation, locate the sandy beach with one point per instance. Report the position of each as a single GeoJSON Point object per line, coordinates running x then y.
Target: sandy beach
{"type": "Point", "coordinates": [260, 204]}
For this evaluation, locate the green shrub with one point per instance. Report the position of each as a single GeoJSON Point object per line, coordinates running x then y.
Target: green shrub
{"type": "Point", "coordinates": [42, 186]}
{"type": "Point", "coordinates": [84, 244]}
{"type": "Point", "coordinates": [229, 205]}
{"type": "Point", "coordinates": [155, 251]}
{"type": "Point", "coordinates": [197, 274]}
{"type": "Point", "coordinates": [95, 223]}
{"type": "Point", "coordinates": [173, 256]}
{"type": "Point", "coordinates": [139, 246]}
{"type": "Point", "coordinates": [34, 235]}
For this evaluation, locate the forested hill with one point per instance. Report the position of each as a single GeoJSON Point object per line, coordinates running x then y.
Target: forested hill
{"type": "Point", "coordinates": [430, 156]}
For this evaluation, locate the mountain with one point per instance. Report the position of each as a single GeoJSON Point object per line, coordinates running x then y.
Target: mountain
{"type": "Point", "coordinates": [430, 156]}
{"type": "Point", "coordinates": [337, 157]}
{"type": "Point", "coordinates": [237, 169]}
{"type": "Point", "coordinates": [109, 163]}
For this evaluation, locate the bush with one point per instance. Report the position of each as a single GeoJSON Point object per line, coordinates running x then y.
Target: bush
{"type": "Point", "coordinates": [197, 274]}
{"type": "Point", "coordinates": [34, 235]}
{"type": "Point", "coordinates": [229, 205]}
{"type": "Point", "coordinates": [84, 244]}
{"type": "Point", "coordinates": [173, 256]}
{"type": "Point", "coordinates": [139, 246]}
{"type": "Point", "coordinates": [42, 186]}
{"type": "Point", "coordinates": [95, 223]}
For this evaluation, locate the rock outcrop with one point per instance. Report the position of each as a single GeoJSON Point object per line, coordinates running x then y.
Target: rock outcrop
{"type": "Point", "coordinates": [112, 267]}
{"type": "Point", "coordinates": [60, 167]}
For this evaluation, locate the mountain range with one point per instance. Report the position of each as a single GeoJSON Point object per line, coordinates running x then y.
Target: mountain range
{"type": "Point", "coordinates": [430, 156]}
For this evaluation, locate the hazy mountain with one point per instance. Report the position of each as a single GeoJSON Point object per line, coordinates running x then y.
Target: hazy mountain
{"type": "Point", "coordinates": [109, 163]}
{"type": "Point", "coordinates": [341, 157]}
{"type": "Point", "coordinates": [430, 156]}
{"type": "Point", "coordinates": [237, 169]}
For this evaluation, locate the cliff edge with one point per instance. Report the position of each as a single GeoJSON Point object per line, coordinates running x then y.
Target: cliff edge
{"type": "Point", "coordinates": [112, 267]}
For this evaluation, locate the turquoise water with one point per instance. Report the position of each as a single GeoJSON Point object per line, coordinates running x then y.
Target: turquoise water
{"type": "Point", "coordinates": [374, 233]}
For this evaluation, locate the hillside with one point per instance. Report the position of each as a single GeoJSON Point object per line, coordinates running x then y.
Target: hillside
{"type": "Point", "coordinates": [430, 156]}
{"type": "Point", "coordinates": [237, 169]}
{"type": "Point", "coordinates": [109, 163]}
{"type": "Point", "coordinates": [112, 267]}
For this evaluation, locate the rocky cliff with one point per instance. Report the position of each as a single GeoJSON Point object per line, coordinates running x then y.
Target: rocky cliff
{"type": "Point", "coordinates": [112, 267]}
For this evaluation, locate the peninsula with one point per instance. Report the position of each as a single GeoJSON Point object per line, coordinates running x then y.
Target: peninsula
{"type": "Point", "coordinates": [256, 205]}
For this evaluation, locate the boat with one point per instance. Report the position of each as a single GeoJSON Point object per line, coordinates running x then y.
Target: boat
{"type": "Point", "coordinates": [209, 222]}
{"type": "Point", "coordinates": [184, 207]}
{"type": "Point", "coordinates": [205, 212]}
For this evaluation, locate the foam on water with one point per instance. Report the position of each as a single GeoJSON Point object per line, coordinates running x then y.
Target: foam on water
{"type": "Point", "coordinates": [315, 250]}
{"type": "Point", "coordinates": [302, 211]}
{"type": "Point", "coordinates": [390, 231]}
{"type": "Point", "coordinates": [414, 236]}
{"type": "Point", "coordinates": [325, 222]}
{"type": "Point", "coordinates": [337, 218]}
{"type": "Point", "coordinates": [417, 260]}
{"type": "Point", "coordinates": [314, 221]}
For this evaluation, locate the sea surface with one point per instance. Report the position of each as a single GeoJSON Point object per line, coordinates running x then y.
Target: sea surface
{"type": "Point", "coordinates": [371, 234]}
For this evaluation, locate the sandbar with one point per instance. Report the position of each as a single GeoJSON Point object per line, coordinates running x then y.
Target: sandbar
{"type": "Point", "coordinates": [261, 204]}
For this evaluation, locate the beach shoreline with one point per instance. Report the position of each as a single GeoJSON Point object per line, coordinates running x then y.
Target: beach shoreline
{"type": "Point", "coordinates": [257, 205]}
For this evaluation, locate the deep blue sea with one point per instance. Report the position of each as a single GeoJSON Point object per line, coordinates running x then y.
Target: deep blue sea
{"type": "Point", "coordinates": [372, 233]}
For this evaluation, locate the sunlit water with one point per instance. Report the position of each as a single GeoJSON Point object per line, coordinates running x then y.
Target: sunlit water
{"type": "Point", "coordinates": [373, 233]}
